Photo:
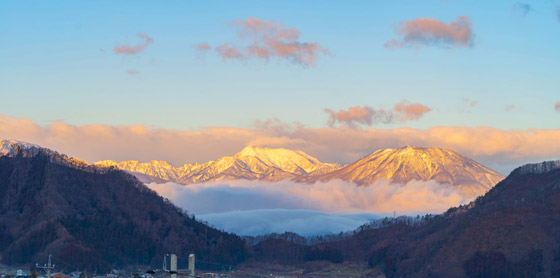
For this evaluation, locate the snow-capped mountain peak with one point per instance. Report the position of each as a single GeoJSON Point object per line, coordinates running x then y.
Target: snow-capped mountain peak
{"type": "Point", "coordinates": [400, 165]}
{"type": "Point", "coordinates": [270, 164]}
{"type": "Point", "coordinates": [409, 163]}
{"type": "Point", "coordinates": [11, 147]}
{"type": "Point", "coordinates": [284, 159]}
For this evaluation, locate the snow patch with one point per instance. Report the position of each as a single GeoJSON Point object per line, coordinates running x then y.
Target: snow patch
{"type": "Point", "coordinates": [8, 147]}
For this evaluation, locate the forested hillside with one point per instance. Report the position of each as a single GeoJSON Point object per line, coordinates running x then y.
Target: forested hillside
{"type": "Point", "coordinates": [95, 219]}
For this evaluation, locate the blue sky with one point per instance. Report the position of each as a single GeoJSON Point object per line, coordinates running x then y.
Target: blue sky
{"type": "Point", "coordinates": [57, 63]}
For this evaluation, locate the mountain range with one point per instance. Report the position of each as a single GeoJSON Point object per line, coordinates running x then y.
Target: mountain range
{"type": "Point", "coordinates": [251, 163]}
{"type": "Point", "coordinates": [399, 166]}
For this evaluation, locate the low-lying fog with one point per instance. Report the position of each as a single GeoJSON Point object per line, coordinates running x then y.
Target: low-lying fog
{"type": "Point", "coordinates": [256, 207]}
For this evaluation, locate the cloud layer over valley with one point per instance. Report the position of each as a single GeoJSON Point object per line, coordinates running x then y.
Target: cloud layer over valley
{"type": "Point", "coordinates": [302, 222]}
{"type": "Point", "coordinates": [254, 207]}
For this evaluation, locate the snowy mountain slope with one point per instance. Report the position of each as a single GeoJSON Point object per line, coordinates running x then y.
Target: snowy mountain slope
{"type": "Point", "coordinates": [415, 163]}
{"type": "Point", "coordinates": [399, 166]}
{"type": "Point", "coordinates": [251, 163]}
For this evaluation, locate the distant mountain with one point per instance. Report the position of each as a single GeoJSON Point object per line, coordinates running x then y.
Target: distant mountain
{"type": "Point", "coordinates": [512, 231]}
{"type": "Point", "coordinates": [96, 218]}
{"type": "Point", "coordinates": [415, 163]}
{"type": "Point", "coordinates": [396, 165]}
{"type": "Point", "coordinates": [252, 163]}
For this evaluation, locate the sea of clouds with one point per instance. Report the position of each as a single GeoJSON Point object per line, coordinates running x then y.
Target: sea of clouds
{"type": "Point", "coordinates": [303, 222]}
{"type": "Point", "coordinates": [257, 207]}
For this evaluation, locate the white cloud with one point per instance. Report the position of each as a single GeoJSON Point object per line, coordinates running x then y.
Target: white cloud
{"type": "Point", "coordinates": [332, 196]}
{"type": "Point", "coordinates": [253, 207]}
{"type": "Point", "coordinates": [302, 222]}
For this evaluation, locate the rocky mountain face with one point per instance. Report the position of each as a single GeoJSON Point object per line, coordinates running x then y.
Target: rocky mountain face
{"type": "Point", "coordinates": [96, 218]}
{"type": "Point", "coordinates": [396, 165]}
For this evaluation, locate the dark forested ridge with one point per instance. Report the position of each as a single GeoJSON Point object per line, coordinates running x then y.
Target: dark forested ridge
{"type": "Point", "coordinates": [95, 219]}
{"type": "Point", "coordinates": [512, 231]}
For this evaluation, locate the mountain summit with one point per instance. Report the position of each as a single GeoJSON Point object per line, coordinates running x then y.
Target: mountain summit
{"type": "Point", "coordinates": [251, 163]}
{"type": "Point", "coordinates": [399, 166]}
{"type": "Point", "coordinates": [410, 163]}
{"type": "Point", "coordinates": [284, 159]}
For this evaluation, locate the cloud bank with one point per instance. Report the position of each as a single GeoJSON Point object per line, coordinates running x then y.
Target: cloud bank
{"type": "Point", "coordinates": [255, 207]}
{"type": "Point", "coordinates": [128, 50]}
{"type": "Point", "coordinates": [499, 149]}
{"type": "Point", "coordinates": [365, 115]}
{"type": "Point", "coordinates": [267, 39]}
{"type": "Point", "coordinates": [433, 32]}
{"type": "Point", "coordinates": [332, 196]}
{"type": "Point", "coordinates": [302, 222]}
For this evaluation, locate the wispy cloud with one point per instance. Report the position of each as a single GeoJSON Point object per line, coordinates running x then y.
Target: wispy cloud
{"type": "Point", "coordinates": [201, 49]}
{"type": "Point", "coordinates": [267, 39]}
{"type": "Point", "coordinates": [365, 115]}
{"type": "Point", "coordinates": [433, 32]}
{"type": "Point", "coordinates": [471, 103]}
{"type": "Point", "coordinates": [128, 50]}
{"type": "Point", "coordinates": [357, 115]}
{"type": "Point", "coordinates": [228, 51]}
{"type": "Point", "coordinates": [509, 107]}
{"type": "Point", "coordinates": [132, 71]}
{"type": "Point", "coordinates": [522, 8]}
{"type": "Point", "coordinates": [406, 111]}
{"type": "Point", "coordinates": [202, 46]}
{"type": "Point", "coordinates": [557, 106]}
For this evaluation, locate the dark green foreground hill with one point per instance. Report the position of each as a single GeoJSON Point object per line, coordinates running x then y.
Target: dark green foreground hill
{"type": "Point", "coordinates": [96, 219]}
